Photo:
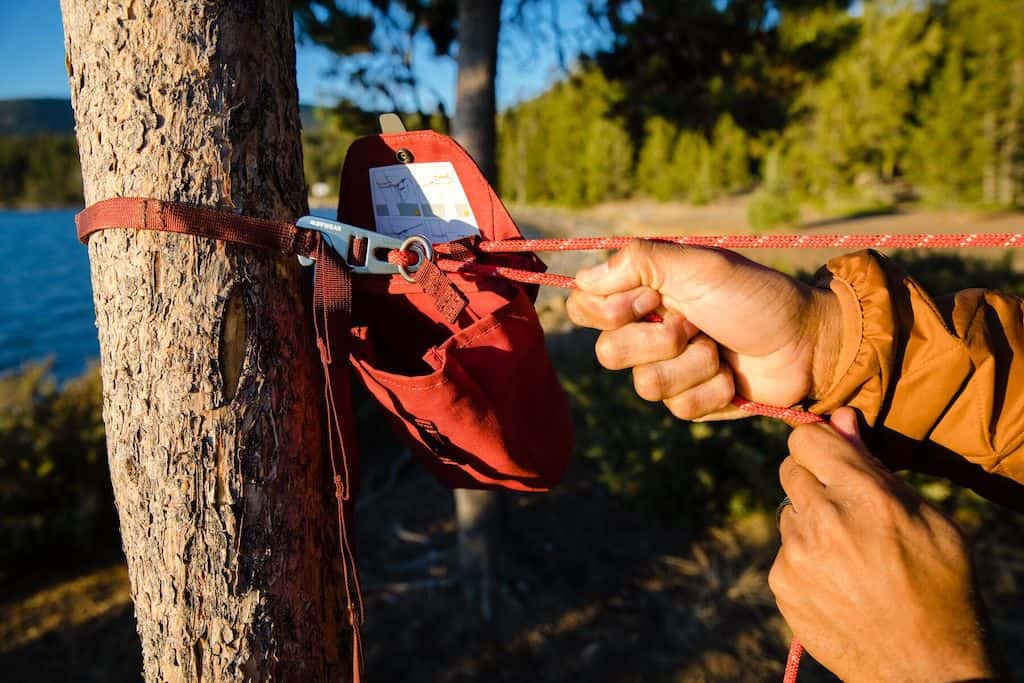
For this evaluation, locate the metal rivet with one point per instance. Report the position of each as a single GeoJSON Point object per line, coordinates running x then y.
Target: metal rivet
{"type": "Point", "coordinates": [404, 156]}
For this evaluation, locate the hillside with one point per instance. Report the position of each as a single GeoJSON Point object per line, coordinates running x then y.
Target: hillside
{"type": "Point", "coordinates": [54, 115]}
{"type": "Point", "coordinates": [31, 116]}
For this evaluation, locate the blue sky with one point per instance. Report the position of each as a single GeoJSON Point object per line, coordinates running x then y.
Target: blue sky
{"type": "Point", "coordinates": [32, 56]}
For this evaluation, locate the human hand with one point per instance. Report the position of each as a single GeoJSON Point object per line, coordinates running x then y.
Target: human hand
{"type": "Point", "coordinates": [874, 582]}
{"type": "Point", "coordinates": [728, 325]}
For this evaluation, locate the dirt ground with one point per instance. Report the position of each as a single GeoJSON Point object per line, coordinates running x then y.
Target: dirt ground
{"type": "Point", "coordinates": [638, 601]}
{"type": "Point", "coordinates": [590, 589]}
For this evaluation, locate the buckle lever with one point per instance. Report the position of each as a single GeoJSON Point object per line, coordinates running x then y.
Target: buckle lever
{"type": "Point", "coordinates": [341, 236]}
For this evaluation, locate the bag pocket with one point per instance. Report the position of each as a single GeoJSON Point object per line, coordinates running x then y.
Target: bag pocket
{"type": "Point", "coordinates": [490, 413]}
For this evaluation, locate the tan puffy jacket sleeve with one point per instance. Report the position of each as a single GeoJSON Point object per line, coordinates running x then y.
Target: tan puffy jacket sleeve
{"type": "Point", "coordinates": [940, 381]}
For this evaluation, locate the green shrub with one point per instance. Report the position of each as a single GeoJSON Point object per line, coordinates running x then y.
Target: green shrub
{"type": "Point", "coordinates": [55, 494]}
{"type": "Point", "coordinates": [771, 208]}
{"type": "Point", "coordinates": [655, 176]}
{"type": "Point", "coordinates": [731, 152]}
{"type": "Point", "coordinates": [772, 205]}
{"type": "Point", "coordinates": [693, 168]}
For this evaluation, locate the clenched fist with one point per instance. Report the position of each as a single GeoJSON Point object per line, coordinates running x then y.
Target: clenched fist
{"type": "Point", "coordinates": [728, 325]}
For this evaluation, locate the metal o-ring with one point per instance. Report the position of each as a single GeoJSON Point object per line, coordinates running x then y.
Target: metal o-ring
{"type": "Point", "coordinates": [404, 156]}
{"type": "Point", "coordinates": [420, 245]}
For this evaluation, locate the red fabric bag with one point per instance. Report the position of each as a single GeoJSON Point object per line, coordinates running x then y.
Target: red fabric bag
{"type": "Point", "coordinates": [476, 400]}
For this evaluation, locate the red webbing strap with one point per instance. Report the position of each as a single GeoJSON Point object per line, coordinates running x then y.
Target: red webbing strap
{"type": "Point", "coordinates": [332, 311]}
{"type": "Point", "coordinates": [449, 301]}
{"type": "Point", "coordinates": [134, 213]}
{"type": "Point", "coordinates": [332, 307]}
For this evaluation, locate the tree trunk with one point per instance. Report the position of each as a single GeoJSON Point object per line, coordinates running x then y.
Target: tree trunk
{"type": "Point", "coordinates": [474, 126]}
{"type": "Point", "coordinates": [211, 397]}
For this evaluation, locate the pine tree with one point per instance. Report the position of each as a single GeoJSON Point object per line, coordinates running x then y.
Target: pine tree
{"type": "Point", "coordinates": [555, 146]}
{"type": "Point", "coordinates": [854, 124]}
{"type": "Point", "coordinates": [608, 161]}
{"type": "Point", "coordinates": [944, 161]}
{"type": "Point", "coordinates": [655, 172]}
{"type": "Point", "coordinates": [694, 171]}
{"type": "Point", "coordinates": [731, 152]}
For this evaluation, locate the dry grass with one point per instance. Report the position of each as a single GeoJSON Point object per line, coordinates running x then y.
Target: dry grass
{"type": "Point", "coordinates": [62, 606]}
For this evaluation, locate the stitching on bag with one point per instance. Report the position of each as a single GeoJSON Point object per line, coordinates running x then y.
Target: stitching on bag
{"type": "Point", "coordinates": [461, 343]}
{"type": "Point", "coordinates": [506, 316]}
{"type": "Point", "coordinates": [388, 381]}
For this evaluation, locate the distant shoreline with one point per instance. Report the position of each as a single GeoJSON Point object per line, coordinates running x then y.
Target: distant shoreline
{"type": "Point", "coordinates": [26, 208]}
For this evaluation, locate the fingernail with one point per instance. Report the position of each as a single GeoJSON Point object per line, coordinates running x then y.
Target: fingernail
{"type": "Point", "coordinates": [591, 276]}
{"type": "Point", "coordinates": [646, 302]}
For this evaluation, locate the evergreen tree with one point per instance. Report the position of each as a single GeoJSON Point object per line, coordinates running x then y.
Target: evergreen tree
{"type": "Point", "coordinates": [772, 204]}
{"type": "Point", "coordinates": [944, 160]}
{"type": "Point", "coordinates": [731, 152]}
{"type": "Point", "coordinates": [855, 122]}
{"type": "Point", "coordinates": [655, 171]}
{"type": "Point", "coordinates": [608, 161]}
{"type": "Point", "coordinates": [694, 173]}
{"type": "Point", "coordinates": [557, 147]}
{"type": "Point", "coordinates": [992, 32]}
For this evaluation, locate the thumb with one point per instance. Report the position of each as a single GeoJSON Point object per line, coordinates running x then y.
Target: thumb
{"type": "Point", "coordinates": [640, 262]}
{"type": "Point", "coordinates": [844, 421]}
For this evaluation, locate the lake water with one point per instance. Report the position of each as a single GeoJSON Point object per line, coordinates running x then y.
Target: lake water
{"type": "Point", "coordinates": [45, 294]}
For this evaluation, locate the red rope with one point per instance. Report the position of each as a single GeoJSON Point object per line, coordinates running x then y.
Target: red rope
{"type": "Point", "coordinates": [773, 241]}
{"type": "Point", "coordinates": [777, 241]}
{"type": "Point", "coordinates": [796, 651]}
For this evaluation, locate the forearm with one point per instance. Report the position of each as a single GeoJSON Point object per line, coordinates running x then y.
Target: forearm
{"type": "Point", "coordinates": [941, 383]}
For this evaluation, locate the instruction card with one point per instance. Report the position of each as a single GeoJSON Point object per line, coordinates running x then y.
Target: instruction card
{"type": "Point", "coordinates": [421, 199]}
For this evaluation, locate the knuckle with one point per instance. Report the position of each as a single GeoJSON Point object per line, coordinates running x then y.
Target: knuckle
{"type": "Point", "coordinates": [675, 340]}
{"type": "Point", "coordinates": [607, 352]}
{"type": "Point", "coordinates": [778, 581]}
{"type": "Point", "coordinates": [705, 355]}
{"type": "Point", "coordinates": [786, 468]}
{"type": "Point", "coordinates": [684, 406]}
{"type": "Point", "coordinates": [572, 307]}
{"type": "Point", "coordinates": [638, 255]}
{"type": "Point", "coordinates": [724, 390]}
{"type": "Point", "coordinates": [635, 252]}
{"type": "Point", "coordinates": [648, 383]}
{"type": "Point", "coordinates": [583, 309]}
{"type": "Point", "coordinates": [800, 439]}
{"type": "Point", "coordinates": [798, 551]}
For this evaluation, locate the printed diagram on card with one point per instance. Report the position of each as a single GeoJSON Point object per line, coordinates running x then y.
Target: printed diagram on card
{"type": "Point", "coordinates": [421, 199]}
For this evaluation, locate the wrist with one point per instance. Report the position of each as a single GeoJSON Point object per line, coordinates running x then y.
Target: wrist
{"type": "Point", "coordinates": [824, 332]}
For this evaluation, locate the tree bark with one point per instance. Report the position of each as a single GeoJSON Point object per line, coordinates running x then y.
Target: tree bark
{"type": "Point", "coordinates": [211, 397]}
{"type": "Point", "coordinates": [474, 126]}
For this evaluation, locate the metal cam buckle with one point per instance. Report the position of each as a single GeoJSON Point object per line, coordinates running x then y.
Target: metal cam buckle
{"type": "Point", "coordinates": [340, 236]}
